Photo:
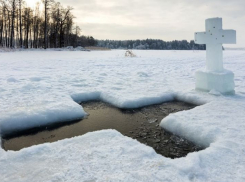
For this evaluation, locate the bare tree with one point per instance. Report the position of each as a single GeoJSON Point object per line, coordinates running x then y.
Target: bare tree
{"type": "Point", "coordinates": [1, 22]}
{"type": "Point", "coordinates": [13, 9]}
{"type": "Point", "coordinates": [65, 15]}
{"type": "Point", "coordinates": [36, 26]}
{"type": "Point", "coordinates": [47, 4]}
{"type": "Point", "coordinates": [27, 18]}
{"type": "Point", "coordinates": [20, 22]}
{"type": "Point", "coordinates": [56, 22]}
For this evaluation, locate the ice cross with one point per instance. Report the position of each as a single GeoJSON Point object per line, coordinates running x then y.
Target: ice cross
{"type": "Point", "coordinates": [214, 37]}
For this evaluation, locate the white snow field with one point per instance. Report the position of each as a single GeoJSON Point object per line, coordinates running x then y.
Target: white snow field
{"type": "Point", "coordinates": [40, 87]}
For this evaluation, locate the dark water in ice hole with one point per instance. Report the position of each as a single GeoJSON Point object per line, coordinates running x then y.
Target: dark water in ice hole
{"type": "Point", "coordinates": [141, 124]}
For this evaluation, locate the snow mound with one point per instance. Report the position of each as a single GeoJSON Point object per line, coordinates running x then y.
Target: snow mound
{"type": "Point", "coordinates": [99, 156]}
{"type": "Point", "coordinates": [123, 103]}
{"type": "Point", "coordinates": [25, 118]}
{"type": "Point", "coordinates": [109, 156]}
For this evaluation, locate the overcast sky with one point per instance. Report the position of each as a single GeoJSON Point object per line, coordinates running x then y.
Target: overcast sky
{"type": "Point", "coordinates": [159, 19]}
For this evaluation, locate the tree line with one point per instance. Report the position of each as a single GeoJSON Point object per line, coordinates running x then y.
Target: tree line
{"type": "Point", "coordinates": [154, 44]}
{"type": "Point", "coordinates": [48, 25]}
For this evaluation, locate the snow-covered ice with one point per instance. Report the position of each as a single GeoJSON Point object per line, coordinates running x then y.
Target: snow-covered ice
{"type": "Point", "coordinates": [40, 87]}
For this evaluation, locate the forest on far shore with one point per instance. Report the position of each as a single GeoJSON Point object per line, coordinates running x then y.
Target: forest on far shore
{"type": "Point", "coordinates": [152, 44]}
{"type": "Point", "coordinates": [48, 25]}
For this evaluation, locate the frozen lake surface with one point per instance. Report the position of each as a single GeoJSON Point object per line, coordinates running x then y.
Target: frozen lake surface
{"type": "Point", "coordinates": [41, 87]}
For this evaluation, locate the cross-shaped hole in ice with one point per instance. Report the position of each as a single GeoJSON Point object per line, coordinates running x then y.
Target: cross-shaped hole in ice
{"type": "Point", "coordinates": [141, 124]}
